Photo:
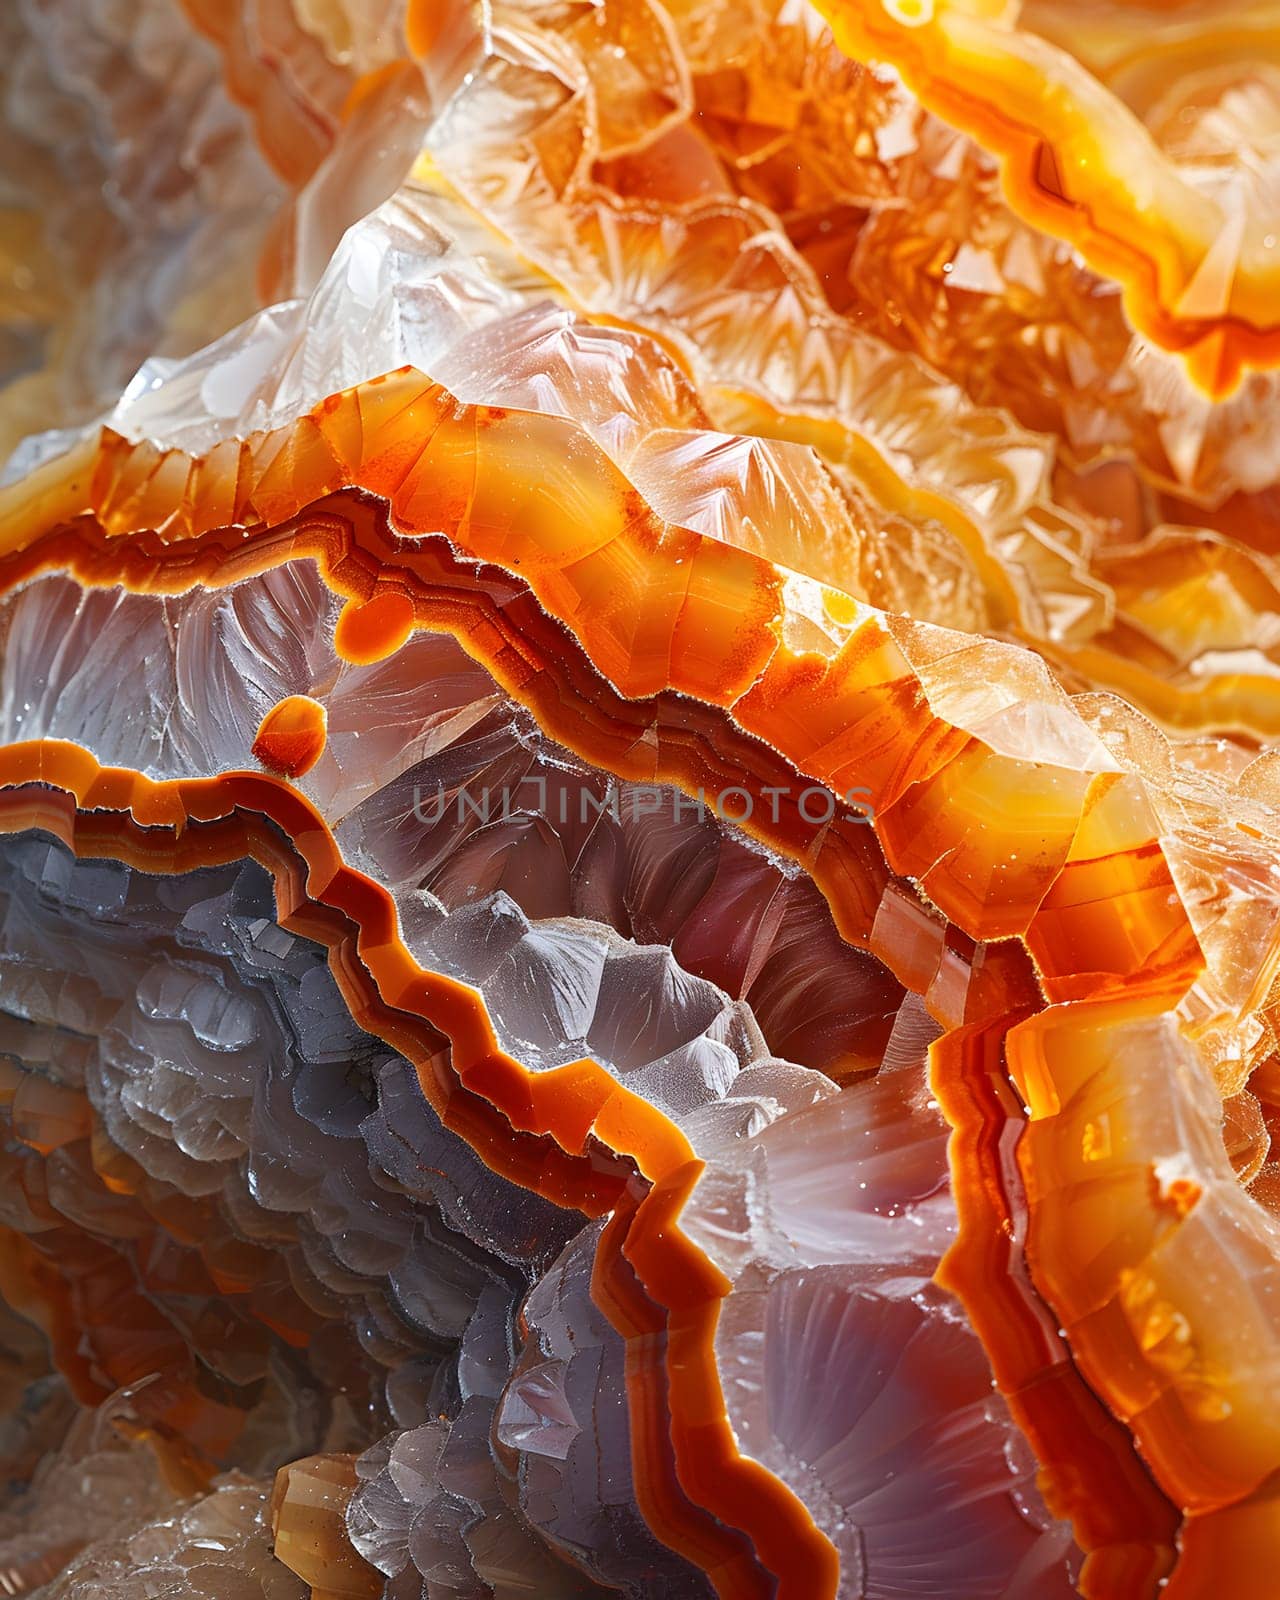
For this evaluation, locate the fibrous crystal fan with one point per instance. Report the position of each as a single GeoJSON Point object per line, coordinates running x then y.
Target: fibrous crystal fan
{"type": "Point", "coordinates": [639, 812]}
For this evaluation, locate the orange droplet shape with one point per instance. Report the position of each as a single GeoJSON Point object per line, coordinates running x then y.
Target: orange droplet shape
{"type": "Point", "coordinates": [291, 737]}
{"type": "Point", "coordinates": [371, 630]}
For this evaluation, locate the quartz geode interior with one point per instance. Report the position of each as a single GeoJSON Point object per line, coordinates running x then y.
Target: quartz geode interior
{"type": "Point", "coordinates": [639, 821]}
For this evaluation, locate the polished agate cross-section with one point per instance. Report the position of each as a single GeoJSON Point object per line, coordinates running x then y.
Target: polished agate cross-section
{"type": "Point", "coordinates": [639, 800]}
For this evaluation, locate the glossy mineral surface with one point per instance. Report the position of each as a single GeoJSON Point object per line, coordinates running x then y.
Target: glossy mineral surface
{"type": "Point", "coordinates": [639, 810]}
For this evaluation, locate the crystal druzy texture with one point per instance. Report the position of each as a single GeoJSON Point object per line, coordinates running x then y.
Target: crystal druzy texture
{"type": "Point", "coordinates": [640, 799]}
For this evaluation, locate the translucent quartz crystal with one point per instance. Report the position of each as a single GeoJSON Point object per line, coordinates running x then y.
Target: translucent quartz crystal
{"type": "Point", "coordinates": [1111, 121]}
{"type": "Point", "coordinates": [639, 878]}
{"type": "Point", "coordinates": [216, 1545]}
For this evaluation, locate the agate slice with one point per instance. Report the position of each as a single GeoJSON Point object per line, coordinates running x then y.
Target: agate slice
{"type": "Point", "coordinates": [639, 816]}
{"type": "Point", "coordinates": [1141, 131]}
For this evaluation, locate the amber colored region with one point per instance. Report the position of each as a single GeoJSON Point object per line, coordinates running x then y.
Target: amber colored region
{"type": "Point", "coordinates": [371, 630]}
{"type": "Point", "coordinates": [308, 1507]}
{"type": "Point", "coordinates": [1046, 90]}
{"type": "Point", "coordinates": [291, 737]}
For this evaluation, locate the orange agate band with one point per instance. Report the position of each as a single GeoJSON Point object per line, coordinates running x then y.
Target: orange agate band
{"type": "Point", "coordinates": [448, 523]}
{"type": "Point", "coordinates": [1078, 164]}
